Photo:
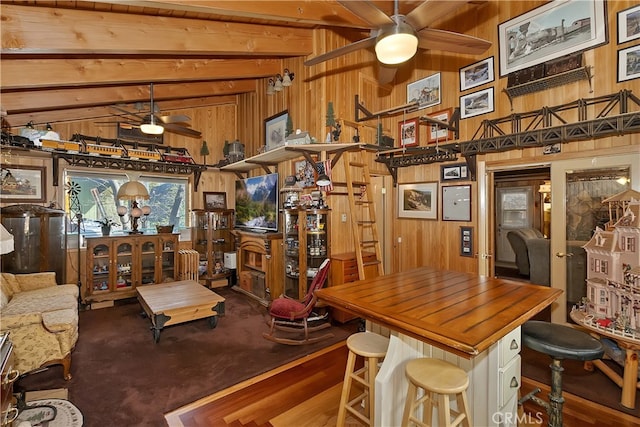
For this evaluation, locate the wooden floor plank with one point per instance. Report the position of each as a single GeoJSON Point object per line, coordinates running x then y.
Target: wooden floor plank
{"type": "Point", "coordinates": [315, 403]}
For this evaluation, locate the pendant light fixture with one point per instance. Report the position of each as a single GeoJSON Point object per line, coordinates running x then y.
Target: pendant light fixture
{"type": "Point", "coordinates": [396, 43]}
{"type": "Point", "coordinates": [151, 127]}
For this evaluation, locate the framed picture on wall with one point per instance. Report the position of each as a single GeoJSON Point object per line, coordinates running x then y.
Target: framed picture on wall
{"type": "Point", "coordinates": [456, 203]}
{"type": "Point", "coordinates": [426, 91]}
{"type": "Point", "coordinates": [408, 132]}
{"type": "Point", "coordinates": [215, 200]}
{"type": "Point", "coordinates": [466, 241]}
{"type": "Point", "coordinates": [438, 133]}
{"type": "Point", "coordinates": [629, 24]}
{"type": "Point", "coordinates": [629, 63]}
{"type": "Point", "coordinates": [476, 103]}
{"type": "Point", "coordinates": [533, 37]}
{"type": "Point", "coordinates": [476, 74]}
{"type": "Point", "coordinates": [456, 172]}
{"type": "Point", "coordinates": [23, 184]}
{"type": "Point", "coordinates": [419, 200]}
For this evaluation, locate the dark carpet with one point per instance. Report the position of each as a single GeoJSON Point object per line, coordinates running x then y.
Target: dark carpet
{"type": "Point", "coordinates": [121, 377]}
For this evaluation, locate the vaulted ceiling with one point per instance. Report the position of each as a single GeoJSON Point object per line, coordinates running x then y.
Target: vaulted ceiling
{"type": "Point", "coordinates": [71, 60]}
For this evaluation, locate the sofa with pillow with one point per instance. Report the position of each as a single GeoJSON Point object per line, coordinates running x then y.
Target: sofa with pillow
{"type": "Point", "coordinates": [41, 318]}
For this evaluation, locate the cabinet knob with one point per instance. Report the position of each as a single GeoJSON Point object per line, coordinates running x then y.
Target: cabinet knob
{"type": "Point", "coordinates": [513, 345]}
{"type": "Point", "coordinates": [514, 383]}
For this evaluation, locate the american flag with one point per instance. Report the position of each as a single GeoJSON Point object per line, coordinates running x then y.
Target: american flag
{"type": "Point", "coordinates": [325, 167]}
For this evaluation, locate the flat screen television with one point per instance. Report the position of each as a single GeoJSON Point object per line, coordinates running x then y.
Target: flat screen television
{"type": "Point", "coordinates": [257, 203]}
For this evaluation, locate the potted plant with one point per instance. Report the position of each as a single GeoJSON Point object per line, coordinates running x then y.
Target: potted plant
{"type": "Point", "coordinates": [106, 225]}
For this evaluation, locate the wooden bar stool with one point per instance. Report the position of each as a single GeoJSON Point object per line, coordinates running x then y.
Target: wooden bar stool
{"type": "Point", "coordinates": [439, 380]}
{"type": "Point", "coordinates": [560, 342]}
{"type": "Point", "coordinates": [372, 347]}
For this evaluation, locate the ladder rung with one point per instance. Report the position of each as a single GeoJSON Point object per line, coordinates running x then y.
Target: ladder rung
{"type": "Point", "coordinates": [366, 222]}
{"type": "Point", "coordinates": [359, 183]}
{"type": "Point", "coordinates": [376, 262]}
{"type": "Point", "coordinates": [369, 242]}
{"type": "Point", "coordinates": [362, 202]}
{"type": "Point", "coordinates": [356, 164]}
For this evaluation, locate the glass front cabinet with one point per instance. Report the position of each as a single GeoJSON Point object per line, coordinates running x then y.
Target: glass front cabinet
{"type": "Point", "coordinates": [306, 245]}
{"type": "Point", "coordinates": [116, 265]}
{"type": "Point", "coordinates": [212, 237]}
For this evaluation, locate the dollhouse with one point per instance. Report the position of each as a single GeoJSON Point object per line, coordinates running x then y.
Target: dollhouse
{"type": "Point", "coordinates": [613, 267]}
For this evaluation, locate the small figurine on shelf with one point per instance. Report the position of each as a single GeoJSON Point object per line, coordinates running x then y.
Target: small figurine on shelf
{"type": "Point", "coordinates": [218, 267]}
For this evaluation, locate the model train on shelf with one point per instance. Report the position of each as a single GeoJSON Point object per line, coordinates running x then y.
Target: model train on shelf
{"type": "Point", "coordinates": [106, 147]}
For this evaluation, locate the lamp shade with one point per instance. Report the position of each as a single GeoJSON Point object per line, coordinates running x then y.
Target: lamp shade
{"type": "Point", "coordinates": [6, 241]}
{"type": "Point", "coordinates": [151, 128]}
{"type": "Point", "coordinates": [396, 44]}
{"type": "Point", "coordinates": [323, 180]}
{"type": "Point", "coordinates": [132, 190]}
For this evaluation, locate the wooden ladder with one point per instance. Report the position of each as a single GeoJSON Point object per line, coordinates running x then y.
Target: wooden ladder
{"type": "Point", "coordinates": [363, 213]}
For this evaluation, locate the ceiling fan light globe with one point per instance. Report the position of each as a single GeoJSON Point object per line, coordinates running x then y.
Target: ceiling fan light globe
{"type": "Point", "coordinates": [151, 129]}
{"type": "Point", "coordinates": [396, 44]}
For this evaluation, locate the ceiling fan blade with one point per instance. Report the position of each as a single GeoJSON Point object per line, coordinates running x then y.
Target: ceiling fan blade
{"type": "Point", "coordinates": [178, 118]}
{"type": "Point", "coordinates": [430, 11]}
{"type": "Point", "coordinates": [126, 112]}
{"type": "Point", "coordinates": [170, 127]}
{"type": "Point", "coordinates": [449, 41]}
{"type": "Point", "coordinates": [361, 44]}
{"type": "Point", "coordinates": [368, 12]}
{"type": "Point", "coordinates": [386, 74]}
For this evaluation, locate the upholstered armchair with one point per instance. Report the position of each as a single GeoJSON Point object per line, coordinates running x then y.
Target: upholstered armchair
{"type": "Point", "coordinates": [41, 318]}
{"type": "Point", "coordinates": [532, 254]}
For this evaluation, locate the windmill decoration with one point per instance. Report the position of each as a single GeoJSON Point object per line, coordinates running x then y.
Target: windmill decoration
{"type": "Point", "coordinates": [73, 190]}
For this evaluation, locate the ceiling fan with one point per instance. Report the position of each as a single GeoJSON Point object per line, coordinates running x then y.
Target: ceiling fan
{"type": "Point", "coordinates": [396, 38]}
{"type": "Point", "coordinates": [154, 124]}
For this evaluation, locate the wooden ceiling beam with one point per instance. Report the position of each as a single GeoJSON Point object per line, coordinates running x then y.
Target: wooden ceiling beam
{"type": "Point", "coordinates": [47, 100]}
{"type": "Point", "coordinates": [50, 31]}
{"type": "Point", "coordinates": [40, 73]}
{"type": "Point", "coordinates": [105, 112]}
{"type": "Point", "coordinates": [316, 13]}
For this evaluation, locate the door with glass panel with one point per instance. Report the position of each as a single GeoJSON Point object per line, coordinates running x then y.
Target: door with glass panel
{"type": "Point", "coordinates": [514, 210]}
{"type": "Point", "coordinates": [578, 188]}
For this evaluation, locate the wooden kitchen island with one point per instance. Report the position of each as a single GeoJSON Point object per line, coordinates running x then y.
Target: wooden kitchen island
{"type": "Point", "coordinates": [469, 320]}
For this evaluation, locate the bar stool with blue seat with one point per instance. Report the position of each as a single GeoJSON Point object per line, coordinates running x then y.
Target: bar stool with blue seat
{"type": "Point", "coordinates": [560, 342]}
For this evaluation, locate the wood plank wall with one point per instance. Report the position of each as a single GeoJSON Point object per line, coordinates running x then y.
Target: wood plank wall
{"type": "Point", "coordinates": [423, 242]}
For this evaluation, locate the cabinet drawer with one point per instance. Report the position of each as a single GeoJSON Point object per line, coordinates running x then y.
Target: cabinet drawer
{"type": "Point", "coordinates": [509, 381]}
{"type": "Point", "coordinates": [510, 346]}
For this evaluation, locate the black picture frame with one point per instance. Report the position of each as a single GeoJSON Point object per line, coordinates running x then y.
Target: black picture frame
{"type": "Point", "coordinates": [454, 172]}
{"type": "Point", "coordinates": [466, 241]}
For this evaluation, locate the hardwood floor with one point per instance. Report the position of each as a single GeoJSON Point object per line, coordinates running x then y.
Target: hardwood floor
{"type": "Point", "coordinates": [306, 393]}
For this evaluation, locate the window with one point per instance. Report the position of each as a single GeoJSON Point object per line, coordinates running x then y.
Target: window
{"type": "Point", "coordinates": [168, 200]}
{"type": "Point", "coordinates": [629, 244]}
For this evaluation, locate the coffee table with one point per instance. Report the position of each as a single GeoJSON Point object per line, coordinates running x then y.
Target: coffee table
{"type": "Point", "coordinates": [178, 302]}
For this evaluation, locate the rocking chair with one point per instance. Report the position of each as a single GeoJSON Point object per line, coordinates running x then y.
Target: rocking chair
{"type": "Point", "coordinates": [291, 315]}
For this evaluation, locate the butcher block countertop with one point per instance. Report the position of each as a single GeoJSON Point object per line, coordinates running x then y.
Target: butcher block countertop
{"type": "Point", "coordinates": [457, 312]}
